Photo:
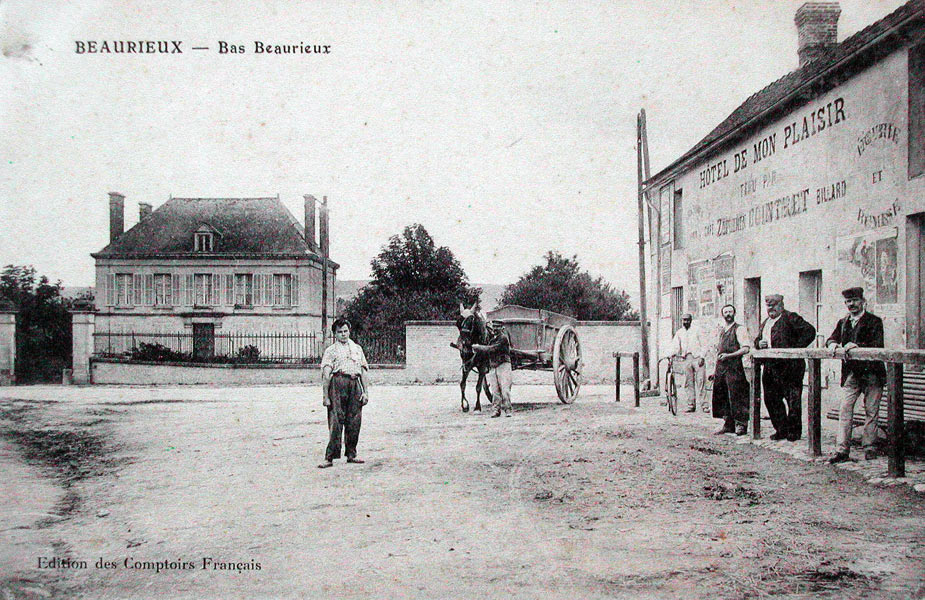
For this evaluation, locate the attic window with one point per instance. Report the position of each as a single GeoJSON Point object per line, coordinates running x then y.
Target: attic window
{"type": "Point", "coordinates": [203, 241]}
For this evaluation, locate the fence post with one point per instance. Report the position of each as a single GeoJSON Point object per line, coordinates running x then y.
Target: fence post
{"type": "Point", "coordinates": [636, 378]}
{"type": "Point", "coordinates": [897, 452]}
{"type": "Point", "coordinates": [616, 358]}
{"type": "Point", "coordinates": [82, 327]}
{"type": "Point", "coordinates": [814, 407]}
{"type": "Point", "coordinates": [754, 397]}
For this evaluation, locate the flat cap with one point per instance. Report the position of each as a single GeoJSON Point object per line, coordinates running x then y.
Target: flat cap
{"type": "Point", "coordinates": [853, 292]}
{"type": "Point", "coordinates": [774, 298]}
{"type": "Point", "coordinates": [496, 323]}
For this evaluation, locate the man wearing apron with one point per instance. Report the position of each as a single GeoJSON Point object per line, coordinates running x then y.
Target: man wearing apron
{"type": "Point", "coordinates": [730, 387]}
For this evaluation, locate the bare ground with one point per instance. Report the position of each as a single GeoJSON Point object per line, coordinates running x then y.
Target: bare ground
{"type": "Point", "coordinates": [593, 500]}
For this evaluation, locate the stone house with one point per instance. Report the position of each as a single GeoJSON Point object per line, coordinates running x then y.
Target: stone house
{"type": "Point", "coordinates": [813, 184]}
{"type": "Point", "coordinates": [213, 267]}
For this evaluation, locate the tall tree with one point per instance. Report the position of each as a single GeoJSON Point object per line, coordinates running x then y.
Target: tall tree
{"type": "Point", "coordinates": [413, 279]}
{"type": "Point", "coordinates": [561, 286]}
{"type": "Point", "coordinates": [43, 324]}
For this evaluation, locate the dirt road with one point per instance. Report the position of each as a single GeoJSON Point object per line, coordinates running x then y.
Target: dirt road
{"type": "Point", "coordinates": [187, 490]}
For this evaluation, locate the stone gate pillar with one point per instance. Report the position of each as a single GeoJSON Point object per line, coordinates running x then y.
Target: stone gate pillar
{"type": "Point", "coordinates": [7, 344]}
{"type": "Point", "coordinates": [82, 327]}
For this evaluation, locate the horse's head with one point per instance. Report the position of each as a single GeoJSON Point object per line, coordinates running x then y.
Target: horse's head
{"type": "Point", "coordinates": [471, 329]}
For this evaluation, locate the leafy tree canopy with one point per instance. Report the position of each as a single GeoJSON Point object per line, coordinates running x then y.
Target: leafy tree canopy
{"type": "Point", "coordinates": [43, 324]}
{"type": "Point", "coordinates": [561, 286]}
{"type": "Point", "coordinates": [413, 279]}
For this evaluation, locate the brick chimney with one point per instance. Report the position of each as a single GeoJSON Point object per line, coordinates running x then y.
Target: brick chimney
{"type": "Point", "coordinates": [116, 215]}
{"type": "Point", "coordinates": [817, 29]}
{"type": "Point", "coordinates": [144, 211]}
{"type": "Point", "coordinates": [323, 228]}
{"type": "Point", "coordinates": [310, 202]}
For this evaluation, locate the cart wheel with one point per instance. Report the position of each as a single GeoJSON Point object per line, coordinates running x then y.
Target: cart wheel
{"type": "Point", "coordinates": [566, 364]}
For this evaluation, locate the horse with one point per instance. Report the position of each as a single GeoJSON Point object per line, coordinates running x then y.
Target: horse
{"type": "Point", "coordinates": [472, 330]}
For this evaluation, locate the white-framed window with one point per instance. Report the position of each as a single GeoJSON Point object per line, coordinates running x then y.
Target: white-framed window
{"type": "Point", "coordinates": [203, 288]}
{"type": "Point", "coordinates": [203, 241]}
{"type": "Point", "coordinates": [244, 289]}
{"type": "Point", "coordinates": [282, 290]}
{"type": "Point", "coordinates": [125, 289]}
{"type": "Point", "coordinates": [163, 289]}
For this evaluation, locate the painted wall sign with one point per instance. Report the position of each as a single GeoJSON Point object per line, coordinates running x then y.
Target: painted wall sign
{"type": "Point", "coordinates": [819, 118]}
{"type": "Point", "coordinates": [880, 131]}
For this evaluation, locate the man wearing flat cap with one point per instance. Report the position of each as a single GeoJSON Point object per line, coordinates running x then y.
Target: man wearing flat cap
{"type": "Point", "coordinates": [860, 329]}
{"type": "Point", "coordinates": [783, 377]}
{"type": "Point", "coordinates": [499, 378]}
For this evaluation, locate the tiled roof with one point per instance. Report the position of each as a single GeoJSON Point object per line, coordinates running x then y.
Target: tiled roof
{"type": "Point", "coordinates": [798, 87]}
{"type": "Point", "coordinates": [244, 226]}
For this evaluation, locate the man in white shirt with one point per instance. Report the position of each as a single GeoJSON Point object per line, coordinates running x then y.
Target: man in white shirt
{"type": "Point", "coordinates": [688, 363]}
{"type": "Point", "coordinates": [345, 390]}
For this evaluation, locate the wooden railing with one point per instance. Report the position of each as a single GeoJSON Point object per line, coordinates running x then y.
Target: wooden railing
{"type": "Point", "coordinates": [894, 359]}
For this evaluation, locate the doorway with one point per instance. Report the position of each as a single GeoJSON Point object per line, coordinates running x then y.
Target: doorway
{"type": "Point", "coordinates": [915, 280]}
{"type": "Point", "coordinates": [811, 301]}
{"type": "Point", "coordinates": [752, 305]}
{"type": "Point", "coordinates": [203, 340]}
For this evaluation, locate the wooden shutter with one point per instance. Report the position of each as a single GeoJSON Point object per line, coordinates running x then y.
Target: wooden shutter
{"type": "Point", "coordinates": [216, 289]}
{"type": "Point", "coordinates": [229, 289]}
{"type": "Point", "coordinates": [295, 289]}
{"type": "Point", "coordinates": [190, 290]}
{"type": "Point", "coordinates": [175, 297]}
{"type": "Point", "coordinates": [138, 283]}
{"type": "Point", "coordinates": [110, 289]}
{"type": "Point", "coordinates": [258, 289]}
{"type": "Point", "coordinates": [149, 290]}
{"type": "Point", "coordinates": [268, 289]}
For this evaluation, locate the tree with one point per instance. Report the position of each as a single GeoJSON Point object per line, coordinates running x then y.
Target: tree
{"type": "Point", "coordinates": [412, 279]}
{"type": "Point", "coordinates": [43, 324]}
{"type": "Point", "coordinates": [561, 286]}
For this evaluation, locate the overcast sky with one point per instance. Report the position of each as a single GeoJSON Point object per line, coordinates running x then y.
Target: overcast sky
{"type": "Point", "coordinates": [507, 128]}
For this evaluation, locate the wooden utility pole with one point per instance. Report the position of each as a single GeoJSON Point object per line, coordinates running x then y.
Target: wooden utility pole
{"type": "Point", "coordinates": [654, 241]}
{"type": "Point", "coordinates": [643, 319]}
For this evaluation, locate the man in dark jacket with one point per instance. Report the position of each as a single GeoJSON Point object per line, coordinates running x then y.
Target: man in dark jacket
{"type": "Point", "coordinates": [783, 378]}
{"type": "Point", "coordinates": [860, 329]}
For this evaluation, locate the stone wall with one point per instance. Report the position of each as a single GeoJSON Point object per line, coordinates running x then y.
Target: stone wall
{"type": "Point", "coordinates": [430, 359]}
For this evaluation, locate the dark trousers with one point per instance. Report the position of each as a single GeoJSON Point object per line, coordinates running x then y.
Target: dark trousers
{"type": "Point", "coordinates": [783, 395]}
{"type": "Point", "coordinates": [344, 416]}
{"type": "Point", "coordinates": [730, 397]}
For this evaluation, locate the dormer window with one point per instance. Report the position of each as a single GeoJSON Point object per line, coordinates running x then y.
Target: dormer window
{"type": "Point", "coordinates": [204, 240]}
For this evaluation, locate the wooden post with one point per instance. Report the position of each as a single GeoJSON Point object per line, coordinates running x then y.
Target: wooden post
{"type": "Point", "coordinates": [640, 204]}
{"type": "Point", "coordinates": [636, 377]}
{"type": "Point", "coordinates": [617, 376]}
{"type": "Point", "coordinates": [814, 407]}
{"type": "Point", "coordinates": [754, 401]}
{"type": "Point", "coordinates": [897, 452]}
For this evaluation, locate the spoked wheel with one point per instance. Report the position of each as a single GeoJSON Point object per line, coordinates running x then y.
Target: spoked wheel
{"type": "Point", "coordinates": [566, 364]}
{"type": "Point", "coordinates": [671, 391]}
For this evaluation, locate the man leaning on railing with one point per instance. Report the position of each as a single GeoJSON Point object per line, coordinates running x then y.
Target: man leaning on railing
{"type": "Point", "coordinates": [859, 329]}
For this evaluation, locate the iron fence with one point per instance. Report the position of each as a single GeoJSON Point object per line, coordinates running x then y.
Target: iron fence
{"type": "Point", "coordinates": [242, 347]}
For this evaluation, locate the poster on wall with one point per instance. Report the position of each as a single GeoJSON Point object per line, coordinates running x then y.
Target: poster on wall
{"type": "Point", "coordinates": [723, 270]}
{"type": "Point", "coordinates": [869, 260]}
{"type": "Point", "coordinates": [665, 261]}
{"type": "Point", "coordinates": [710, 285]}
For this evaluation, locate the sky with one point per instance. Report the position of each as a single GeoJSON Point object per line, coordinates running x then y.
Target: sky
{"type": "Point", "coordinates": [506, 128]}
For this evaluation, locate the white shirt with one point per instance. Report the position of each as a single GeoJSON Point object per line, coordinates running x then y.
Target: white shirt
{"type": "Point", "coordinates": [766, 332]}
{"type": "Point", "coordinates": [684, 341]}
{"type": "Point", "coordinates": [348, 358]}
{"type": "Point", "coordinates": [854, 320]}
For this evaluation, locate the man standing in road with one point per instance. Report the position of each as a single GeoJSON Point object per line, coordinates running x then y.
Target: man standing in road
{"type": "Point", "coordinates": [783, 377]}
{"type": "Point", "coordinates": [730, 388]}
{"type": "Point", "coordinates": [345, 391]}
{"type": "Point", "coordinates": [500, 378]}
{"type": "Point", "coordinates": [860, 329]}
{"type": "Point", "coordinates": [687, 361]}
